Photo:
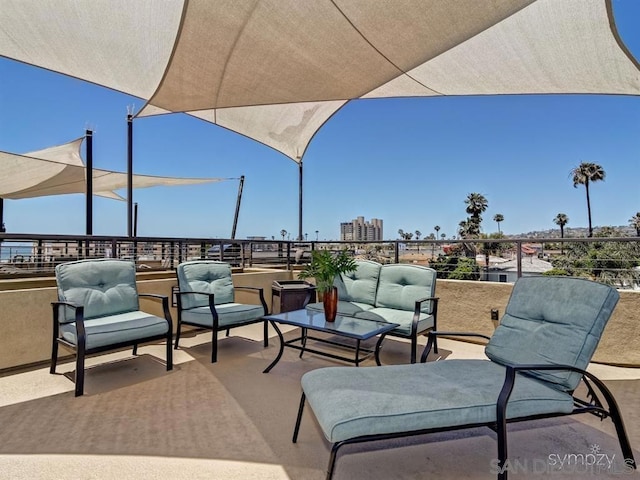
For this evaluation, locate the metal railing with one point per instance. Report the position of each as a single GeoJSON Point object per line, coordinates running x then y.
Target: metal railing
{"type": "Point", "coordinates": [611, 260]}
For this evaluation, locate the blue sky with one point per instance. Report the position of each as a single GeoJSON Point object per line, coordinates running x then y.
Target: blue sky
{"type": "Point", "coordinates": [410, 162]}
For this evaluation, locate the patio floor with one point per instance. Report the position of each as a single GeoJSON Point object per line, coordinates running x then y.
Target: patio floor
{"type": "Point", "coordinates": [230, 421]}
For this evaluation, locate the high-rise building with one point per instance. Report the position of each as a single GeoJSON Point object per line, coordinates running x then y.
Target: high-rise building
{"type": "Point", "coordinates": [359, 230]}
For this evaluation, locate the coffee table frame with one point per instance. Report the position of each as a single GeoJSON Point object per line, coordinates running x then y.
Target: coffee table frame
{"type": "Point", "coordinates": [358, 329]}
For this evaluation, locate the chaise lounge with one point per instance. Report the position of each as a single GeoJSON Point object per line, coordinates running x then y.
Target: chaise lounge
{"type": "Point", "coordinates": [536, 360]}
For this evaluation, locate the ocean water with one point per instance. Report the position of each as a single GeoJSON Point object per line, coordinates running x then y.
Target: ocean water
{"type": "Point", "coordinates": [9, 252]}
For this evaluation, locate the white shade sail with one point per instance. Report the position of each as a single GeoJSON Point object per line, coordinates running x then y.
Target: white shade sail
{"type": "Point", "coordinates": [60, 170]}
{"type": "Point", "coordinates": [276, 70]}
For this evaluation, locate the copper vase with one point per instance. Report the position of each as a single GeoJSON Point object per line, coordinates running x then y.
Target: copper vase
{"type": "Point", "coordinates": [330, 302]}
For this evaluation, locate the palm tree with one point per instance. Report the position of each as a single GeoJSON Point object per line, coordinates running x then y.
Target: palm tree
{"type": "Point", "coordinates": [401, 233]}
{"type": "Point", "coordinates": [476, 205]}
{"type": "Point", "coordinates": [635, 223]}
{"type": "Point", "coordinates": [437, 229]}
{"type": "Point", "coordinates": [317, 232]}
{"type": "Point", "coordinates": [283, 232]}
{"type": "Point", "coordinates": [584, 174]}
{"type": "Point", "coordinates": [498, 217]}
{"type": "Point", "coordinates": [418, 234]}
{"type": "Point", "coordinates": [561, 220]}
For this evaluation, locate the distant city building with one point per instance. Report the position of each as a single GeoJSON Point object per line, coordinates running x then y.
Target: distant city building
{"type": "Point", "coordinates": [358, 230]}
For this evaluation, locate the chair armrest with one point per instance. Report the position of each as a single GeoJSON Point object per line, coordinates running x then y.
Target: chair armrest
{"type": "Point", "coordinates": [260, 292]}
{"type": "Point", "coordinates": [181, 293]}
{"type": "Point", "coordinates": [434, 333]}
{"type": "Point", "coordinates": [418, 310]}
{"type": "Point", "coordinates": [165, 305]}
{"type": "Point", "coordinates": [79, 317]}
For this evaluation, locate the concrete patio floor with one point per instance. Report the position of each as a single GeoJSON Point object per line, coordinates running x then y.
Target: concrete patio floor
{"type": "Point", "coordinates": [230, 421]}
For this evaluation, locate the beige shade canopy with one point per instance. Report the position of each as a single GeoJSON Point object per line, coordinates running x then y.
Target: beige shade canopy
{"type": "Point", "coordinates": [60, 170]}
{"type": "Point", "coordinates": [277, 70]}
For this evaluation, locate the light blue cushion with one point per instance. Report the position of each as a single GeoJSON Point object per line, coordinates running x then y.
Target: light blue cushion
{"type": "Point", "coordinates": [103, 286]}
{"type": "Point", "coordinates": [229, 314]}
{"type": "Point", "coordinates": [557, 320]}
{"type": "Point", "coordinates": [123, 327]}
{"type": "Point", "coordinates": [403, 318]}
{"type": "Point", "coordinates": [206, 276]}
{"type": "Point", "coordinates": [352, 401]}
{"type": "Point", "coordinates": [359, 286]}
{"type": "Point", "coordinates": [344, 308]}
{"type": "Point", "coordinates": [401, 285]}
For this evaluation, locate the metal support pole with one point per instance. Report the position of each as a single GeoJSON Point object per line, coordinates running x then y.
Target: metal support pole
{"type": "Point", "coordinates": [300, 202]}
{"type": "Point", "coordinates": [2, 227]}
{"type": "Point", "coordinates": [235, 218]}
{"type": "Point", "coordinates": [135, 219]}
{"type": "Point", "coordinates": [89, 196]}
{"type": "Point", "coordinates": [130, 175]}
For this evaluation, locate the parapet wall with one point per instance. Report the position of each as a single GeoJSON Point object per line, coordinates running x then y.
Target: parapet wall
{"type": "Point", "coordinates": [25, 314]}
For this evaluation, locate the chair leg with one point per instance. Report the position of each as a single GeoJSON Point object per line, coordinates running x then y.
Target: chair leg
{"type": "Point", "coordinates": [79, 373]}
{"type": "Point", "coordinates": [266, 333]}
{"type": "Point", "coordinates": [54, 356]}
{"type": "Point", "coordinates": [178, 328]}
{"type": "Point", "coordinates": [169, 350]}
{"type": "Point", "coordinates": [414, 348]}
{"type": "Point", "coordinates": [214, 346]}
{"type": "Point", "coordinates": [135, 349]}
{"type": "Point", "coordinates": [299, 419]}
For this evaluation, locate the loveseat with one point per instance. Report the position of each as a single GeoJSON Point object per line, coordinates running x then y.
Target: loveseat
{"type": "Point", "coordinates": [394, 293]}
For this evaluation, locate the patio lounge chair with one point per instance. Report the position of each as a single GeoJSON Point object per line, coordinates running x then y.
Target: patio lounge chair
{"type": "Point", "coordinates": [536, 359]}
{"type": "Point", "coordinates": [206, 299]}
{"type": "Point", "coordinates": [98, 310]}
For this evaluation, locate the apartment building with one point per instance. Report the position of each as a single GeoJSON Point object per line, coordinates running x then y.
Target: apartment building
{"type": "Point", "coordinates": [360, 230]}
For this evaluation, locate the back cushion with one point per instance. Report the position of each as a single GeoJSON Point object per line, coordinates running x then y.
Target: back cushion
{"type": "Point", "coordinates": [206, 276]}
{"type": "Point", "coordinates": [103, 286]}
{"type": "Point", "coordinates": [359, 286]}
{"type": "Point", "coordinates": [401, 285]}
{"type": "Point", "coordinates": [556, 320]}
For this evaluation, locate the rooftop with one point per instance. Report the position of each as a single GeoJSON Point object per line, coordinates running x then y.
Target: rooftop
{"type": "Point", "coordinates": [230, 421]}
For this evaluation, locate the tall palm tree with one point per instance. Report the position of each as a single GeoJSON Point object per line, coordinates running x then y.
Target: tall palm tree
{"type": "Point", "coordinates": [561, 220]}
{"type": "Point", "coordinates": [635, 223]}
{"type": "Point", "coordinates": [584, 174]}
{"type": "Point", "coordinates": [437, 229]}
{"type": "Point", "coordinates": [401, 233]}
{"type": "Point", "coordinates": [498, 217]}
{"type": "Point", "coordinates": [283, 232]}
{"type": "Point", "coordinates": [476, 205]}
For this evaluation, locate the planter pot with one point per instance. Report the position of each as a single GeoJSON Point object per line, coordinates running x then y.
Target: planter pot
{"type": "Point", "coordinates": [330, 302]}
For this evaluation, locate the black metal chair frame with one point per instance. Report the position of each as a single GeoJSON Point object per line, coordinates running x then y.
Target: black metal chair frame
{"type": "Point", "coordinates": [593, 406]}
{"type": "Point", "coordinates": [413, 336]}
{"type": "Point", "coordinates": [215, 328]}
{"type": "Point", "coordinates": [80, 350]}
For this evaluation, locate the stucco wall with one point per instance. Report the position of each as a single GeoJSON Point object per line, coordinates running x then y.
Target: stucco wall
{"type": "Point", "coordinates": [25, 315]}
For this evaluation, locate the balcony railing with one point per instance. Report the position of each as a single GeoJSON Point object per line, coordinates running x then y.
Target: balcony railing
{"type": "Point", "coordinates": [611, 260]}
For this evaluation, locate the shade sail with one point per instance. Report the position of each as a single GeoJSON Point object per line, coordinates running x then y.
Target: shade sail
{"type": "Point", "coordinates": [276, 70]}
{"type": "Point", "coordinates": [60, 170]}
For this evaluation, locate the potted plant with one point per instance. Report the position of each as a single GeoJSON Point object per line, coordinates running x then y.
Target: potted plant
{"type": "Point", "coordinates": [324, 267]}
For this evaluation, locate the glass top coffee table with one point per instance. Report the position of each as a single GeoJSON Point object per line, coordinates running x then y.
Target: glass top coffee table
{"type": "Point", "coordinates": [357, 329]}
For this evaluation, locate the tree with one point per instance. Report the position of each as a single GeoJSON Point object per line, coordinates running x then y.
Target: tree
{"type": "Point", "coordinates": [283, 232]}
{"type": "Point", "coordinates": [561, 220]}
{"type": "Point", "coordinates": [401, 233]}
{"type": "Point", "coordinates": [418, 234]}
{"type": "Point", "coordinates": [498, 217]}
{"type": "Point", "coordinates": [584, 174]}
{"type": "Point", "coordinates": [437, 229]}
{"type": "Point", "coordinates": [477, 204]}
{"type": "Point", "coordinates": [635, 223]}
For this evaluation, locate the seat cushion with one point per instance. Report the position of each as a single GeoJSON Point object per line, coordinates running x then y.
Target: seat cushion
{"type": "Point", "coordinates": [403, 318]}
{"type": "Point", "coordinates": [557, 320]}
{"type": "Point", "coordinates": [206, 276]}
{"type": "Point", "coordinates": [360, 285]}
{"type": "Point", "coordinates": [103, 287]}
{"type": "Point", "coordinates": [349, 402]}
{"type": "Point", "coordinates": [124, 327]}
{"type": "Point", "coordinates": [229, 315]}
{"type": "Point", "coordinates": [344, 308]}
{"type": "Point", "coordinates": [401, 285]}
